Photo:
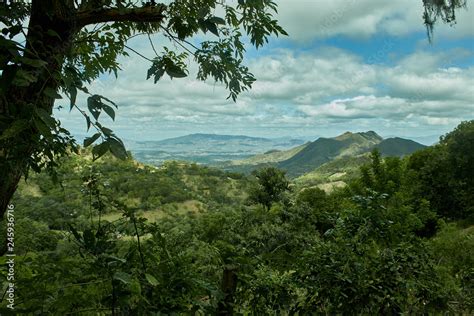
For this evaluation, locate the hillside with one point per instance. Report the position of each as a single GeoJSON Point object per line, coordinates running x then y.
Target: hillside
{"type": "Point", "coordinates": [269, 158]}
{"type": "Point", "coordinates": [324, 150]}
{"type": "Point", "coordinates": [174, 187]}
{"type": "Point", "coordinates": [339, 170]}
{"type": "Point", "coordinates": [397, 146]}
{"type": "Point", "coordinates": [348, 150]}
{"type": "Point", "coordinates": [272, 156]}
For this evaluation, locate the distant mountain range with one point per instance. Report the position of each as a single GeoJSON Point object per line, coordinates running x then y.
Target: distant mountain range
{"type": "Point", "coordinates": [308, 157]}
{"type": "Point", "coordinates": [244, 153]}
{"type": "Point", "coordinates": [207, 148]}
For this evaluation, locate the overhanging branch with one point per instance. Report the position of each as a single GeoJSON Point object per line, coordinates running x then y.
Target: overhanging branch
{"type": "Point", "coordinates": [151, 13]}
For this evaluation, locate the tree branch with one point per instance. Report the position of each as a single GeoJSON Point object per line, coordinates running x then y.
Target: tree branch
{"type": "Point", "coordinates": [150, 13]}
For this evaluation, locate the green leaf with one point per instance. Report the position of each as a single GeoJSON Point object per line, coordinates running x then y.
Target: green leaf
{"type": "Point", "coordinates": [150, 72]}
{"type": "Point", "coordinates": [107, 131]}
{"type": "Point", "coordinates": [37, 63]}
{"type": "Point", "coordinates": [175, 72]}
{"type": "Point", "coordinates": [203, 11]}
{"type": "Point", "coordinates": [115, 259]}
{"type": "Point", "coordinates": [94, 105]}
{"type": "Point", "coordinates": [83, 89]}
{"type": "Point", "coordinates": [99, 150]}
{"type": "Point", "coordinates": [16, 128]}
{"type": "Point", "coordinates": [90, 140]}
{"type": "Point", "coordinates": [51, 32]}
{"type": "Point", "coordinates": [42, 128]}
{"type": "Point", "coordinates": [151, 279]}
{"type": "Point", "coordinates": [122, 277]}
{"type": "Point", "coordinates": [217, 20]}
{"type": "Point", "coordinates": [109, 110]}
{"type": "Point", "coordinates": [24, 78]}
{"type": "Point", "coordinates": [108, 100]}
{"type": "Point", "coordinates": [117, 149]}
{"type": "Point", "coordinates": [50, 92]}
{"type": "Point", "coordinates": [74, 232]}
{"type": "Point", "coordinates": [46, 117]}
{"type": "Point", "coordinates": [159, 74]}
{"type": "Point", "coordinates": [88, 122]}
{"type": "Point", "coordinates": [211, 26]}
{"type": "Point", "coordinates": [72, 95]}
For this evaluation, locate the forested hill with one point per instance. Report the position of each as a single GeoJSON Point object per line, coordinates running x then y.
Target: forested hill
{"type": "Point", "coordinates": [397, 146]}
{"type": "Point", "coordinates": [306, 158]}
{"type": "Point", "coordinates": [323, 150]}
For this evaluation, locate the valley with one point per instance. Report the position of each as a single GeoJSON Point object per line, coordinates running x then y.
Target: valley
{"type": "Point", "coordinates": [321, 162]}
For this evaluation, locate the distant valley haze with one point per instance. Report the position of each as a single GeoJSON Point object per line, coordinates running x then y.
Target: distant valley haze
{"type": "Point", "coordinates": [296, 155]}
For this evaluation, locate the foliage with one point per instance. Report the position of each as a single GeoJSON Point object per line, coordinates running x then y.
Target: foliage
{"type": "Point", "coordinates": [443, 174]}
{"type": "Point", "coordinates": [69, 44]}
{"type": "Point", "coordinates": [270, 186]}
{"type": "Point", "coordinates": [373, 248]}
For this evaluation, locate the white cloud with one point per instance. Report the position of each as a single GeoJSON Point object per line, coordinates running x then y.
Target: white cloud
{"type": "Point", "coordinates": [307, 92]}
{"type": "Point", "coordinates": [306, 20]}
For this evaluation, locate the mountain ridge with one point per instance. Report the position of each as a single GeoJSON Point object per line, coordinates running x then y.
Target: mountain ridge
{"type": "Point", "coordinates": [324, 150]}
{"type": "Point", "coordinates": [308, 157]}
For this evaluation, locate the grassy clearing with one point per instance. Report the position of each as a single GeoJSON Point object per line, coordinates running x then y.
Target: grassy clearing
{"type": "Point", "coordinates": [191, 207]}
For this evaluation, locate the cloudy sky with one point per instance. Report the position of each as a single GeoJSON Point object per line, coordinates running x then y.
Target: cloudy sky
{"type": "Point", "coordinates": [347, 65]}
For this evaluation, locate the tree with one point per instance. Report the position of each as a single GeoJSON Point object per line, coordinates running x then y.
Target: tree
{"type": "Point", "coordinates": [270, 186]}
{"type": "Point", "coordinates": [69, 43]}
{"type": "Point", "coordinates": [444, 174]}
{"type": "Point", "coordinates": [381, 175]}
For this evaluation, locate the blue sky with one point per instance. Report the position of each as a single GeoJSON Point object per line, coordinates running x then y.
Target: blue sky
{"type": "Point", "coordinates": [346, 66]}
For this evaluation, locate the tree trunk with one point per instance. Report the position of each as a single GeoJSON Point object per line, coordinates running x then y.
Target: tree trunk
{"type": "Point", "coordinates": [228, 287]}
{"type": "Point", "coordinates": [52, 27]}
{"type": "Point", "coordinates": [49, 37]}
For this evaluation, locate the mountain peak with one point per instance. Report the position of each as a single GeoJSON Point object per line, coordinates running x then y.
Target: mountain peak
{"type": "Point", "coordinates": [369, 135]}
{"type": "Point", "coordinates": [344, 136]}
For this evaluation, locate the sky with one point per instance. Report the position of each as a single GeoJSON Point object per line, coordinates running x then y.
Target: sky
{"type": "Point", "coordinates": [346, 65]}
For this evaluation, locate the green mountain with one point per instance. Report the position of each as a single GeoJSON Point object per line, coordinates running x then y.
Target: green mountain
{"type": "Point", "coordinates": [398, 146]}
{"type": "Point", "coordinates": [317, 161]}
{"type": "Point", "coordinates": [324, 150]}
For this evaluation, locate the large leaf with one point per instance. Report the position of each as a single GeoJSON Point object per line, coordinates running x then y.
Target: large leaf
{"type": "Point", "coordinates": [50, 92]}
{"type": "Point", "coordinates": [211, 26]}
{"type": "Point", "coordinates": [46, 117]}
{"type": "Point", "coordinates": [90, 140]}
{"type": "Point", "coordinates": [122, 277]}
{"type": "Point", "coordinates": [109, 110]}
{"type": "Point", "coordinates": [33, 62]}
{"type": "Point", "coordinates": [100, 150]}
{"type": "Point", "coordinates": [94, 105]}
{"type": "Point", "coordinates": [151, 279]}
{"type": "Point", "coordinates": [217, 20]}
{"type": "Point", "coordinates": [117, 149]}
{"type": "Point", "coordinates": [72, 95]}
{"type": "Point", "coordinates": [175, 72]}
